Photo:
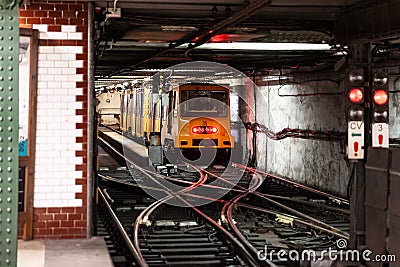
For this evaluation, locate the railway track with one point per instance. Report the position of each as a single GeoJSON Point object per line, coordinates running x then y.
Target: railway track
{"type": "Point", "coordinates": [283, 216]}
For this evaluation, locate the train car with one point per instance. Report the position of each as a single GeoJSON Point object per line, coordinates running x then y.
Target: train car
{"type": "Point", "coordinates": [199, 117]}
{"type": "Point", "coordinates": [140, 113]}
{"type": "Point", "coordinates": [108, 107]}
{"type": "Point", "coordinates": [190, 117]}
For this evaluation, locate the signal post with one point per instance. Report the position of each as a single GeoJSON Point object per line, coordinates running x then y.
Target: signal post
{"type": "Point", "coordinates": [367, 114]}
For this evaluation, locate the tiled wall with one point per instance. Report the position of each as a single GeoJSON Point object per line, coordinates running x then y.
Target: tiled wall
{"type": "Point", "coordinates": [61, 142]}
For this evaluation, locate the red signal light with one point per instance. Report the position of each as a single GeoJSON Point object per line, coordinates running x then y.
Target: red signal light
{"type": "Point", "coordinates": [211, 129]}
{"type": "Point", "coordinates": [356, 95]}
{"type": "Point", "coordinates": [380, 97]}
{"type": "Point", "coordinates": [204, 130]}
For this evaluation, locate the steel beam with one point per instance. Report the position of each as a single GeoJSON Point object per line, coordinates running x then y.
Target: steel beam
{"type": "Point", "coordinates": [369, 21]}
{"type": "Point", "coordinates": [9, 49]}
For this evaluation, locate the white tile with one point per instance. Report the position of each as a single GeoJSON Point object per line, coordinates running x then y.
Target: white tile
{"type": "Point", "coordinates": [46, 35]}
{"type": "Point", "coordinates": [76, 132]}
{"type": "Point", "coordinates": [60, 189]}
{"type": "Point", "coordinates": [62, 78]}
{"type": "Point", "coordinates": [67, 140]}
{"type": "Point", "coordinates": [44, 146]}
{"type": "Point", "coordinates": [46, 64]}
{"type": "Point", "coordinates": [68, 57]}
{"type": "Point", "coordinates": [53, 127]}
{"type": "Point", "coordinates": [53, 85]}
{"type": "Point", "coordinates": [67, 195]}
{"type": "Point", "coordinates": [53, 35]}
{"type": "Point", "coordinates": [52, 181]}
{"type": "Point", "coordinates": [75, 147]}
{"type": "Point", "coordinates": [39, 182]}
{"type": "Point", "coordinates": [45, 105]}
{"type": "Point", "coordinates": [53, 140]}
{"type": "Point", "coordinates": [75, 160]}
{"type": "Point", "coordinates": [53, 195]}
{"type": "Point", "coordinates": [75, 174]}
{"type": "Point", "coordinates": [54, 71]}
{"type": "Point", "coordinates": [75, 91]}
{"type": "Point", "coordinates": [40, 195]}
{"type": "Point", "coordinates": [69, 98]}
{"type": "Point", "coordinates": [67, 168]}
{"type": "Point", "coordinates": [42, 84]}
{"type": "Point", "coordinates": [63, 147]}
{"type": "Point", "coordinates": [68, 28]}
{"type": "Point", "coordinates": [47, 49]}
{"type": "Point", "coordinates": [75, 188]}
{"type": "Point", "coordinates": [42, 203]}
{"type": "Point", "coordinates": [75, 203]}
{"type": "Point", "coordinates": [60, 174]}
{"type": "Point", "coordinates": [45, 77]}
{"type": "Point", "coordinates": [75, 49]}
{"type": "Point", "coordinates": [61, 49]}
{"type": "Point", "coordinates": [58, 202]}
{"type": "Point", "coordinates": [53, 56]}
{"type": "Point", "coordinates": [75, 105]}
{"type": "Point", "coordinates": [59, 64]}
{"type": "Point", "coordinates": [42, 56]}
{"type": "Point", "coordinates": [68, 70]}
{"type": "Point", "coordinates": [68, 85]}
{"type": "Point", "coordinates": [68, 183]}
{"type": "Point", "coordinates": [40, 27]}
{"type": "Point", "coordinates": [75, 36]}
{"type": "Point", "coordinates": [75, 64]}
{"type": "Point", "coordinates": [76, 77]}
{"type": "Point", "coordinates": [60, 92]}
{"type": "Point", "coordinates": [45, 92]}
{"type": "Point", "coordinates": [46, 119]}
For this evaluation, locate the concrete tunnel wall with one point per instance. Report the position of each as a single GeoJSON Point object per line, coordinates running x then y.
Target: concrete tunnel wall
{"type": "Point", "coordinates": [316, 163]}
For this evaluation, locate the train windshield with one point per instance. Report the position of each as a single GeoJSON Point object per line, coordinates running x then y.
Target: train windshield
{"type": "Point", "coordinates": [211, 103]}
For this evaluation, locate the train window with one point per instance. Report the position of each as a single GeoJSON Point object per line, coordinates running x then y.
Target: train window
{"type": "Point", "coordinates": [211, 103]}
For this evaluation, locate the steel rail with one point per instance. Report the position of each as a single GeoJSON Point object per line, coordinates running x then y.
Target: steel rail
{"type": "Point", "coordinates": [298, 185]}
{"type": "Point", "coordinates": [295, 219]}
{"type": "Point", "coordinates": [125, 236]}
{"type": "Point", "coordinates": [227, 212]}
{"type": "Point", "coordinates": [145, 214]}
{"type": "Point", "coordinates": [239, 248]}
{"type": "Point", "coordinates": [300, 214]}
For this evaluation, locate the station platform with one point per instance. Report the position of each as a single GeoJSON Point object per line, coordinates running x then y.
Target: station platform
{"type": "Point", "coordinates": [132, 149]}
{"type": "Point", "coordinates": [90, 252]}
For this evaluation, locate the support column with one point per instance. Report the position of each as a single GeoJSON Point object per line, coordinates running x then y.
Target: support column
{"type": "Point", "coordinates": [9, 48]}
{"type": "Point", "coordinates": [361, 57]}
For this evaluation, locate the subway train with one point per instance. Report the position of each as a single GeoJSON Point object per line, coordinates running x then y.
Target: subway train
{"type": "Point", "coordinates": [189, 118]}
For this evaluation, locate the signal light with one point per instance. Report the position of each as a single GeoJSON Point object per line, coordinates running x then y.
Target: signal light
{"type": "Point", "coordinates": [204, 130]}
{"type": "Point", "coordinates": [356, 95]}
{"type": "Point", "coordinates": [356, 77]}
{"type": "Point", "coordinates": [355, 113]}
{"type": "Point", "coordinates": [380, 97]}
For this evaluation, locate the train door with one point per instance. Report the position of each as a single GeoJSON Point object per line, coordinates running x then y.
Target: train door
{"type": "Point", "coordinates": [131, 111]}
{"type": "Point", "coordinates": [171, 107]}
{"type": "Point", "coordinates": [122, 110]}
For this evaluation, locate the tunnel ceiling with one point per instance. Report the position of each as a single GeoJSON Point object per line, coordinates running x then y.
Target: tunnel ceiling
{"type": "Point", "coordinates": [132, 37]}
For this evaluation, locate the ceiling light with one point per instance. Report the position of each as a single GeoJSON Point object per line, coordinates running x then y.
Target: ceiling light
{"type": "Point", "coordinates": [262, 46]}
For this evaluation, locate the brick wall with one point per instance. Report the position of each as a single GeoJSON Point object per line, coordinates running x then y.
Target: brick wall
{"type": "Point", "coordinates": [61, 142]}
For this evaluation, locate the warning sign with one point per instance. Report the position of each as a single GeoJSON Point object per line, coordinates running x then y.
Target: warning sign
{"type": "Point", "coordinates": [355, 140]}
{"type": "Point", "coordinates": [380, 135]}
